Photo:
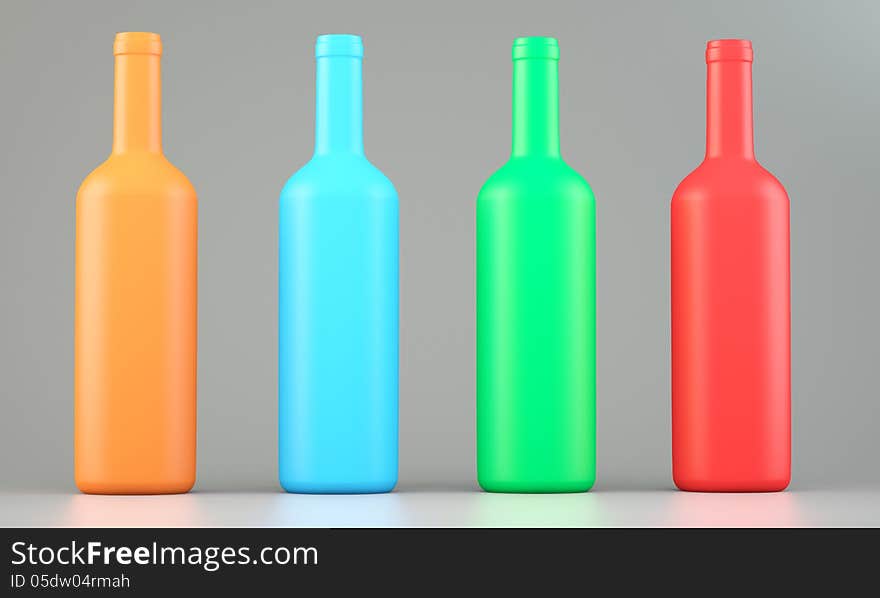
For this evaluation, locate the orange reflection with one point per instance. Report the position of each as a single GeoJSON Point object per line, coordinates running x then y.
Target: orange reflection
{"type": "Point", "coordinates": [179, 510]}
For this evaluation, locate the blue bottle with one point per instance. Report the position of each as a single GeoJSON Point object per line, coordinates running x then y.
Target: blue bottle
{"type": "Point", "coordinates": [338, 299]}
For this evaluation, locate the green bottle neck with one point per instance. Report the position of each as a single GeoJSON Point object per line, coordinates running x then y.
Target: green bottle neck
{"type": "Point", "coordinates": [535, 107]}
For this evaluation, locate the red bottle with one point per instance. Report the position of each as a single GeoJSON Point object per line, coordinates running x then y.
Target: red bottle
{"type": "Point", "coordinates": [731, 335]}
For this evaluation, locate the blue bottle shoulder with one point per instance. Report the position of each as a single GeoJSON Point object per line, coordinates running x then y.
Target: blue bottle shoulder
{"type": "Point", "coordinates": [339, 176]}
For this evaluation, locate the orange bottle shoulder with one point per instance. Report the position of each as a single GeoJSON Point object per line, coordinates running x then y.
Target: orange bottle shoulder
{"type": "Point", "coordinates": [136, 175]}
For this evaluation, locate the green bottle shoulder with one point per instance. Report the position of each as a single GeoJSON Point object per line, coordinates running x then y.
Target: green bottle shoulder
{"type": "Point", "coordinates": [535, 177]}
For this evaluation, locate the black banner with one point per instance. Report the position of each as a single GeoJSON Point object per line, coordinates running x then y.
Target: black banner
{"type": "Point", "coordinates": [144, 561]}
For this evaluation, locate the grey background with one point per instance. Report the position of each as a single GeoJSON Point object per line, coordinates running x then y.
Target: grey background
{"type": "Point", "coordinates": [238, 111]}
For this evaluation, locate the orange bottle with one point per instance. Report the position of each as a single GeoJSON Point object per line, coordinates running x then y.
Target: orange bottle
{"type": "Point", "coordinates": [135, 314]}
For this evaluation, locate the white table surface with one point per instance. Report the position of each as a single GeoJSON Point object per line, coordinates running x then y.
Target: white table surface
{"type": "Point", "coordinates": [444, 508]}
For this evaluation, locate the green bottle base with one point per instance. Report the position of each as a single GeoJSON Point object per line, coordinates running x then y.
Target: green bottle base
{"type": "Point", "coordinates": [535, 486]}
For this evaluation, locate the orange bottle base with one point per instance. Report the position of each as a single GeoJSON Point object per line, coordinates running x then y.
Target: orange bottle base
{"type": "Point", "coordinates": [115, 487]}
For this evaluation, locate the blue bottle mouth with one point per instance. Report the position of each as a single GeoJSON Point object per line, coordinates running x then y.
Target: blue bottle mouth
{"type": "Point", "coordinates": [338, 44]}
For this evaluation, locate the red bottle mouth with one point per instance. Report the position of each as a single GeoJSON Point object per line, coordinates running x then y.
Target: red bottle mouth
{"type": "Point", "coordinates": [729, 49]}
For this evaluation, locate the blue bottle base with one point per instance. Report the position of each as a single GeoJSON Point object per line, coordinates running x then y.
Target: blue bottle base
{"type": "Point", "coordinates": [295, 486]}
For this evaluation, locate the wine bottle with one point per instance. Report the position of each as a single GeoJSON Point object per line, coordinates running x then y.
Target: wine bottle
{"type": "Point", "coordinates": [731, 372]}
{"type": "Point", "coordinates": [338, 299]}
{"type": "Point", "coordinates": [536, 306]}
{"type": "Point", "coordinates": [135, 299]}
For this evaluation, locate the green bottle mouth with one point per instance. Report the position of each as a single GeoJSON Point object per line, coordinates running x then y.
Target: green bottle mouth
{"type": "Point", "coordinates": [536, 47]}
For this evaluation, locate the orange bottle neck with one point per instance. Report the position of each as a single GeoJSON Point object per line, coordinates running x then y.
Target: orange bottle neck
{"type": "Point", "coordinates": [137, 104]}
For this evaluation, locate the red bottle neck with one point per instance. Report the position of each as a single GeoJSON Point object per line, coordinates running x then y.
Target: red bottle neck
{"type": "Point", "coordinates": [729, 131]}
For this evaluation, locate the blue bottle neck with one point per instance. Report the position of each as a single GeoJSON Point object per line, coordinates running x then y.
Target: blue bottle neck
{"type": "Point", "coordinates": [339, 108]}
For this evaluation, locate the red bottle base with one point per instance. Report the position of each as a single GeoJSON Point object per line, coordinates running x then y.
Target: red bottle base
{"type": "Point", "coordinates": [693, 484]}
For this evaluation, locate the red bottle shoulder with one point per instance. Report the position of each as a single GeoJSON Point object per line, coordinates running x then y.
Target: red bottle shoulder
{"type": "Point", "coordinates": [721, 179]}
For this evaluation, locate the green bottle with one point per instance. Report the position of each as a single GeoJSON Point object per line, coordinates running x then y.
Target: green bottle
{"type": "Point", "coordinates": [536, 300]}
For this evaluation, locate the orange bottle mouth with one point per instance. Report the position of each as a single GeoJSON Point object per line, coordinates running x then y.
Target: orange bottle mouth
{"type": "Point", "coordinates": [729, 49]}
{"type": "Point", "coordinates": [137, 42]}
